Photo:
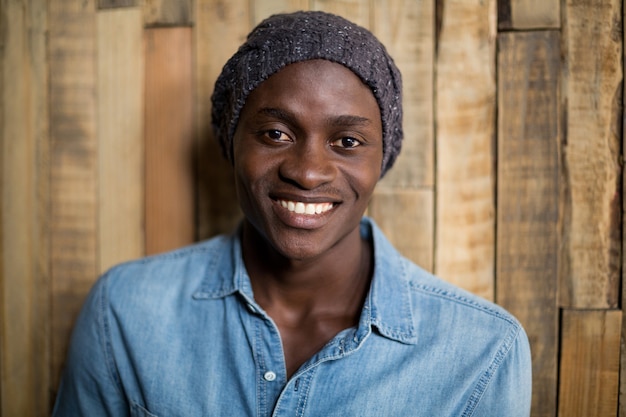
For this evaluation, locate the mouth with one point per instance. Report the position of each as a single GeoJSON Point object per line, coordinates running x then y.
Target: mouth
{"type": "Point", "coordinates": [309, 209]}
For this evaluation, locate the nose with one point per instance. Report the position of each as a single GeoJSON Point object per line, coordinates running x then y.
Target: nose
{"type": "Point", "coordinates": [308, 164]}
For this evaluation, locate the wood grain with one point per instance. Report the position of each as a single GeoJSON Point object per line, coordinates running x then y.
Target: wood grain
{"type": "Point", "coordinates": [24, 262]}
{"type": "Point", "coordinates": [466, 109]}
{"type": "Point", "coordinates": [167, 12]}
{"type": "Point", "coordinates": [589, 369]}
{"type": "Point", "coordinates": [266, 8]}
{"type": "Point", "coordinates": [405, 216]}
{"type": "Point", "coordinates": [403, 204]}
{"type": "Point", "coordinates": [221, 28]}
{"type": "Point", "coordinates": [590, 267]}
{"type": "Point", "coordinates": [357, 11]}
{"type": "Point", "coordinates": [406, 28]}
{"type": "Point", "coordinates": [120, 136]}
{"type": "Point", "coordinates": [111, 4]}
{"type": "Point", "coordinates": [529, 14]}
{"type": "Point", "coordinates": [169, 166]}
{"type": "Point", "coordinates": [528, 198]}
{"type": "Point", "coordinates": [73, 166]}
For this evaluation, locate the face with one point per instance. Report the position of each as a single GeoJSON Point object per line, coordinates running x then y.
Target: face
{"type": "Point", "coordinates": [307, 156]}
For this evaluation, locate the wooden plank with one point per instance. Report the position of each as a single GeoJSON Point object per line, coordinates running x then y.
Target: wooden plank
{"type": "Point", "coordinates": [265, 8]}
{"type": "Point", "coordinates": [357, 11]}
{"type": "Point", "coordinates": [529, 14]}
{"type": "Point", "coordinates": [407, 31]}
{"type": "Point", "coordinates": [465, 108]}
{"type": "Point", "coordinates": [219, 31]}
{"type": "Point", "coordinates": [405, 216]}
{"type": "Point", "coordinates": [589, 368]}
{"type": "Point", "coordinates": [24, 272]}
{"type": "Point", "coordinates": [73, 166]}
{"type": "Point", "coordinates": [528, 198]}
{"type": "Point", "coordinates": [169, 167]}
{"type": "Point", "coordinates": [590, 267]}
{"type": "Point", "coordinates": [167, 12]}
{"type": "Point", "coordinates": [120, 135]}
{"type": "Point", "coordinates": [111, 4]}
{"type": "Point", "coordinates": [622, 383]}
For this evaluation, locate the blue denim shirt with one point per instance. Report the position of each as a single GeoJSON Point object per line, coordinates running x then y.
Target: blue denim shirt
{"type": "Point", "coordinates": [180, 334]}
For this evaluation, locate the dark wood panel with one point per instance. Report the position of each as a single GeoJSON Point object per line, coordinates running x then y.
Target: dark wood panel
{"type": "Point", "coordinates": [528, 198]}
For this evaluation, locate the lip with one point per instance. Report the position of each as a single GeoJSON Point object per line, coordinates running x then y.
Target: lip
{"type": "Point", "coordinates": [324, 207]}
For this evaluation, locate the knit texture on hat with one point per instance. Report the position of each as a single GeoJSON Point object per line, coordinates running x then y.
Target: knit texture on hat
{"type": "Point", "coordinates": [284, 39]}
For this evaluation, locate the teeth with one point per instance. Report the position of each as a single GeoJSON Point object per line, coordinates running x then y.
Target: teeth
{"type": "Point", "coordinates": [308, 208]}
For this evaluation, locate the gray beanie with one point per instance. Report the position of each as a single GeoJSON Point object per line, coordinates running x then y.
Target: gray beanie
{"type": "Point", "coordinates": [284, 39]}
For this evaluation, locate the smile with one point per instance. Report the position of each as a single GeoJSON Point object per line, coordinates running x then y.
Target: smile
{"type": "Point", "coordinates": [306, 208]}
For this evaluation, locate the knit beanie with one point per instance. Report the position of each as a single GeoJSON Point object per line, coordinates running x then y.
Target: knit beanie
{"type": "Point", "coordinates": [284, 39]}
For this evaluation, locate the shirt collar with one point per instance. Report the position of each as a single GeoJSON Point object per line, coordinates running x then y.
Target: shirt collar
{"type": "Point", "coordinates": [388, 306]}
{"type": "Point", "coordinates": [389, 301]}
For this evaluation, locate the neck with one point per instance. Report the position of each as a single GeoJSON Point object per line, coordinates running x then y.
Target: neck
{"type": "Point", "coordinates": [333, 283]}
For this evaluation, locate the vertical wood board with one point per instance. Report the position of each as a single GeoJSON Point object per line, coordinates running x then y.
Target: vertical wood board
{"type": "Point", "coordinates": [221, 28]}
{"type": "Point", "coordinates": [590, 267]}
{"type": "Point", "coordinates": [265, 8]}
{"type": "Point", "coordinates": [528, 198]}
{"type": "Point", "coordinates": [120, 135]}
{"type": "Point", "coordinates": [405, 216]}
{"type": "Point", "coordinates": [169, 166]}
{"type": "Point", "coordinates": [529, 14]}
{"type": "Point", "coordinates": [111, 4]}
{"type": "Point", "coordinates": [406, 28]}
{"type": "Point", "coordinates": [73, 166]}
{"type": "Point", "coordinates": [357, 11]}
{"type": "Point", "coordinates": [167, 12]}
{"type": "Point", "coordinates": [622, 382]}
{"type": "Point", "coordinates": [589, 370]}
{"type": "Point", "coordinates": [465, 109]}
{"type": "Point", "coordinates": [24, 274]}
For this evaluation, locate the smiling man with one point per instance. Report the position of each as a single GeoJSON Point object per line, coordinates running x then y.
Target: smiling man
{"type": "Point", "coordinates": [306, 309]}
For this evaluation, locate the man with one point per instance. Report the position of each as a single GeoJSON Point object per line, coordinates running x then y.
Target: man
{"type": "Point", "coordinates": [306, 310]}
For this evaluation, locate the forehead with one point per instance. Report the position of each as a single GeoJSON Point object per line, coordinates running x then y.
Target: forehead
{"type": "Point", "coordinates": [319, 85]}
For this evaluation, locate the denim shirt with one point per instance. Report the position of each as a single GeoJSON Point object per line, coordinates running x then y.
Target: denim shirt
{"type": "Point", "coordinates": [180, 334]}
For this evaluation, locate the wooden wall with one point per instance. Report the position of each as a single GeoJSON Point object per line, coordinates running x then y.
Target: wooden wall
{"type": "Point", "coordinates": [510, 182]}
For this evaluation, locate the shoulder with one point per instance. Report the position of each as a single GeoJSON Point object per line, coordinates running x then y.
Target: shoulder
{"type": "Point", "coordinates": [428, 289]}
{"type": "Point", "coordinates": [176, 273]}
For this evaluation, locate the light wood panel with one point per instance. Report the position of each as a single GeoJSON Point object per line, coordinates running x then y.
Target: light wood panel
{"type": "Point", "coordinates": [405, 216]}
{"type": "Point", "coordinates": [528, 198]}
{"type": "Point", "coordinates": [406, 28]}
{"type": "Point", "coordinates": [589, 371]}
{"type": "Point", "coordinates": [24, 266]}
{"type": "Point", "coordinates": [465, 109]}
{"type": "Point", "coordinates": [220, 29]}
{"type": "Point", "coordinates": [358, 11]}
{"type": "Point", "coordinates": [403, 204]}
{"type": "Point", "coordinates": [120, 135]}
{"type": "Point", "coordinates": [169, 165]}
{"type": "Point", "coordinates": [266, 8]}
{"type": "Point", "coordinates": [73, 166]}
{"type": "Point", "coordinates": [590, 267]}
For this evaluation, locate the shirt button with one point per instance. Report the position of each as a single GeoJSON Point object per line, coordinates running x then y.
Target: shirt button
{"type": "Point", "coordinates": [269, 376]}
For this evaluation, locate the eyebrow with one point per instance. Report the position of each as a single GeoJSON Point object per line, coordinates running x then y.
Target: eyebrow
{"type": "Point", "coordinates": [338, 121]}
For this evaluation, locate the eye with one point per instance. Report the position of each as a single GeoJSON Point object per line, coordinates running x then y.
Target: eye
{"type": "Point", "coordinates": [347, 142]}
{"type": "Point", "coordinates": [276, 135]}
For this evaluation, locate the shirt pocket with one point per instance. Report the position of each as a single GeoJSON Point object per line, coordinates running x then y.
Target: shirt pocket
{"type": "Point", "coordinates": [138, 411]}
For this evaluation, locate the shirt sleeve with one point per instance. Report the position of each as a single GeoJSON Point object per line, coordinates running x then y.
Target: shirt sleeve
{"type": "Point", "coordinates": [508, 392]}
{"type": "Point", "coordinates": [90, 385]}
